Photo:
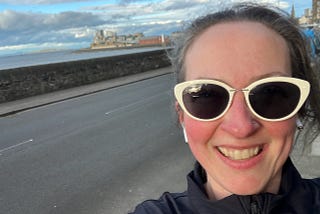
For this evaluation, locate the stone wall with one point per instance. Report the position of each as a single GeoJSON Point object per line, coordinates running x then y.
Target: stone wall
{"type": "Point", "coordinates": [24, 82]}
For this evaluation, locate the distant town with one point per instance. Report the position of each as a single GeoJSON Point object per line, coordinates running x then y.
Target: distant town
{"type": "Point", "coordinates": [105, 39]}
{"type": "Point", "coordinates": [311, 16]}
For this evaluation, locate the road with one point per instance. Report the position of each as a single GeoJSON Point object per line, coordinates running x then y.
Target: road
{"type": "Point", "coordinates": [100, 153]}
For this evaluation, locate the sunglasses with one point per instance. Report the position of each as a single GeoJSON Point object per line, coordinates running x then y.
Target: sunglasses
{"type": "Point", "coordinates": [270, 99]}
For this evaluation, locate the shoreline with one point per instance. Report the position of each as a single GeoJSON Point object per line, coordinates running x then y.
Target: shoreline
{"type": "Point", "coordinates": [119, 48]}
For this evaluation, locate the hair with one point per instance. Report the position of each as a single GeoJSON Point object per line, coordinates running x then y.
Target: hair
{"type": "Point", "coordinates": [302, 65]}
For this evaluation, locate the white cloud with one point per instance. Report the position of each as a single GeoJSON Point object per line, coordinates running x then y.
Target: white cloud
{"type": "Point", "coordinates": [37, 46]}
{"type": "Point", "coordinates": [20, 27]}
{"type": "Point", "coordinates": [84, 33]}
{"type": "Point", "coordinates": [12, 20]}
{"type": "Point", "coordinates": [38, 2]}
{"type": "Point", "coordinates": [278, 3]}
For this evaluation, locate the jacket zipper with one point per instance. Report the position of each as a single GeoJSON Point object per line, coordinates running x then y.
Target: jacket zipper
{"type": "Point", "coordinates": [254, 206]}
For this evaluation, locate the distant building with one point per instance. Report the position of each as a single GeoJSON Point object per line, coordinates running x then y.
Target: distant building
{"type": "Point", "coordinates": [306, 18]}
{"type": "Point", "coordinates": [99, 37]}
{"type": "Point", "coordinates": [110, 34]}
{"type": "Point", "coordinates": [154, 40]}
{"type": "Point", "coordinates": [176, 35]}
{"type": "Point", "coordinates": [316, 11]}
{"type": "Point", "coordinates": [308, 12]}
{"type": "Point", "coordinates": [110, 39]}
{"type": "Point", "coordinates": [293, 12]}
{"type": "Point", "coordinates": [138, 35]}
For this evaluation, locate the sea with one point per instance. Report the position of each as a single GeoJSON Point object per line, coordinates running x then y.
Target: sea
{"type": "Point", "coordinates": [43, 58]}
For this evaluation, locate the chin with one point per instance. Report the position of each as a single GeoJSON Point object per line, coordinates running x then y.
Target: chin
{"type": "Point", "coordinates": [246, 186]}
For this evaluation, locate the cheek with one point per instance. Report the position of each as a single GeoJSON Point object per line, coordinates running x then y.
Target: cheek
{"type": "Point", "coordinates": [199, 132]}
{"type": "Point", "coordinates": [282, 130]}
{"type": "Point", "coordinates": [282, 135]}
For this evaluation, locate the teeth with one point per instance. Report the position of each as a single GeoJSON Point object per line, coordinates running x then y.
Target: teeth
{"type": "Point", "coordinates": [242, 154]}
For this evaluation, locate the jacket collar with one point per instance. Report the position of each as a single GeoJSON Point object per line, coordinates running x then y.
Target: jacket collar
{"type": "Point", "coordinates": [290, 189]}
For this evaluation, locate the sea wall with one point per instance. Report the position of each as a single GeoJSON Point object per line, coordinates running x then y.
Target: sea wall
{"type": "Point", "coordinates": [29, 81]}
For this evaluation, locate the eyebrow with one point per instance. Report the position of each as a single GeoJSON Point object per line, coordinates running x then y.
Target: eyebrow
{"type": "Point", "coordinates": [272, 74]}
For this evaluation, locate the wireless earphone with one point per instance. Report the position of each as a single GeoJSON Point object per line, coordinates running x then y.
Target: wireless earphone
{"type": "Point", "coordinates": [184, 133]}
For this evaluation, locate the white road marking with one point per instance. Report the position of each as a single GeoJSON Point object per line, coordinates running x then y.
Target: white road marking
{"type": "Point", "coordinates": [135, 103]}
{"type": "Point", "coordinates": [15, 146]}
{"type": "Point", "coordinates": [121, 108]}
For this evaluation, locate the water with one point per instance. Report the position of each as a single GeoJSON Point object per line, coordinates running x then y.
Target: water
{"type": "Point", "coordinates": [7, 62]}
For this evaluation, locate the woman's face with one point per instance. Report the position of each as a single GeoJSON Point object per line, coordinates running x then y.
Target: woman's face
{"type": "Point", "coordinates": [239, 53]}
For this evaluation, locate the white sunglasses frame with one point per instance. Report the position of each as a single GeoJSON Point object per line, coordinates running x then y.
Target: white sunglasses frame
{"type": "Point", "coordinates": [303, 86]}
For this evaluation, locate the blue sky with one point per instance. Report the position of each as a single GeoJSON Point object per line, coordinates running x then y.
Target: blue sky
{"type": "Point", "coordinates": [38, 25]}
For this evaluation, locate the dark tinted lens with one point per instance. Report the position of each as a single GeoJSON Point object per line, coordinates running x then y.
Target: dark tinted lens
{"type": "Point", "coordinates": [274, 100]}
{"type": "Point", "coordinates": [205, 101]}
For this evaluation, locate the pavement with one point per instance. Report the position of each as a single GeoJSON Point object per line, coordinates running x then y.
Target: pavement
{"type": "Point", "coordinates": [307, 163]}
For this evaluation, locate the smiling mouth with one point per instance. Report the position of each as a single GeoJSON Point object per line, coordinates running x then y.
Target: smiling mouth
{"type": "Point", "coordinates": [240, 154]}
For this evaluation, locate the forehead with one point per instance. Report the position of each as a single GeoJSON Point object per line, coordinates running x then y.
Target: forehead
{"type": "Point", "coordinates": [234, 50]}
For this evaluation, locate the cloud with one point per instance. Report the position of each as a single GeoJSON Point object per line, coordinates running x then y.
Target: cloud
{"type": "Point", "coordinates": [126, 2]}
{"type": "Point", "coordinates": [181, 5]}
{"type": "Point", "coordinates": [12, 20]}
{"type": "Point", "coordinates": [38, 2]}
{"type": "Point", "coordinates": [278, 3]}
{"type": "Point", "coordinates": [18, 28]}
{"type": "Point", "coordinates": [35, 46]}
{"type": "Point", "coordinates": [163, 11]}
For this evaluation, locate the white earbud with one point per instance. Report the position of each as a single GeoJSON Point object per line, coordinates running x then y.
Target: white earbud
{"type": "Point", "coordinates": [184, 133]}
{"type": "Point", "coordinates": [299, 124]}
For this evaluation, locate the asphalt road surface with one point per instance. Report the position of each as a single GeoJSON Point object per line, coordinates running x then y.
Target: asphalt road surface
{"type": "Point", "coordinates": [100, 153]}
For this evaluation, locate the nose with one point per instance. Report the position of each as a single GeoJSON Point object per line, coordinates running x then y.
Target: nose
{"type": "Point", "coordinates": [238, 120]}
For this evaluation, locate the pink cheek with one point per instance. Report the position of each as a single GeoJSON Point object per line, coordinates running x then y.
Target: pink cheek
{"type": "Point", "coordinates": [199, 132]}
{"type": "Point", "coordinates": [282, 128]}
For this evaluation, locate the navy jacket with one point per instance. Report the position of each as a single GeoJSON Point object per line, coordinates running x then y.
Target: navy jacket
{"type": "Point", "coordinates": [296, 196]}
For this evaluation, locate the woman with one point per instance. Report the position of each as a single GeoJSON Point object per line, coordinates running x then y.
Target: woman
{"type": "Point", "coordinates": [245, 82]}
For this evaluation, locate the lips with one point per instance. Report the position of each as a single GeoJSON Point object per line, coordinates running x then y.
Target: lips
{"type": "Point", "coordinates": [240, 154]}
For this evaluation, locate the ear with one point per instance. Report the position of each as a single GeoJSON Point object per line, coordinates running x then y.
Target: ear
{"type": "Point", "coordinates": [179, 112]}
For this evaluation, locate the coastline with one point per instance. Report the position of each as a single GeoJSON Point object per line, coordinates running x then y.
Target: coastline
{"type": "Point", "coordinates": [119, 48]}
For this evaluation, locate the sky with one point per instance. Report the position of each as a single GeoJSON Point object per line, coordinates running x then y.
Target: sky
{"type": "Point", "coordinates": [44, 25]}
